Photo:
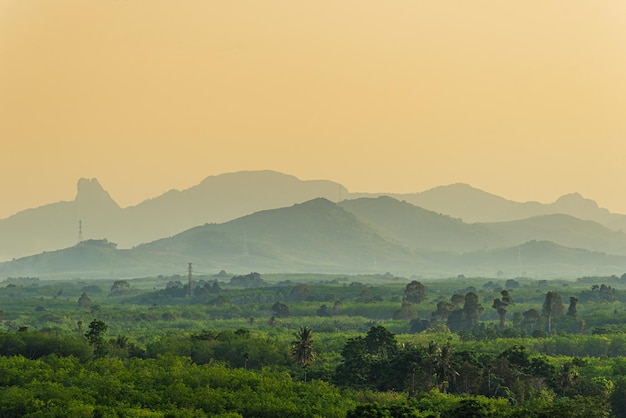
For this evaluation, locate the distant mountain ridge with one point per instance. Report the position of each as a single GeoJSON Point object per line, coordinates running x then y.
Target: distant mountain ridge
{"type": "Point", "coordinates": [56, 225]}
{"type": "Point", "coordinates": [218, 199]}
{"type": "Point", "coordinates": [346, 238]}
{"type": "Point", "coordinates": [421, 229]}
{"type": "Point", "coordinates": [473, 205]}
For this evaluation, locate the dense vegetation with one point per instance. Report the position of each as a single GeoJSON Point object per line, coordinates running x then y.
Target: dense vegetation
{"type": "Point", "coordinates": [313, 345]}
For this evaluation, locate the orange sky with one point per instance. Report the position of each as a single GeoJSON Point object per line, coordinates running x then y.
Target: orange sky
{"type": "Point", "coordinates": [526, 100]}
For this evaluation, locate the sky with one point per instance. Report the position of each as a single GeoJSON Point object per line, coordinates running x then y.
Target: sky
{"type": "Point", "coordinates": [526, 100]}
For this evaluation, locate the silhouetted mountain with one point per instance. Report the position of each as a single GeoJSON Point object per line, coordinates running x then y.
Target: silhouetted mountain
{"type": "Point", "coordinates": [219, 199]}
{"type": "Point", "coordinates": [469, 204]}
{"type": "Point", "coordinates": [322, 236]}
{"type": "Point", "coordinates": [215, 199]}
{"type": "Point", "coordinates": [312, 236]}
{"type": "Point", "coordinates": [316, 235]}
{"type": "Point", "coordinates": [541, 258]}
{"type": "Point", "coordinates": [424, 230]}
{"type": "Point", "coordinates": [563, 230]}
{"type": "Point", "coordinates": [56, 225]}
{"type": "Point", "coordinates": [474, 205]}
{"type": "Point", "coordinates": [88, 259]}
{"type": "Point", "coordinates": [419, 228]}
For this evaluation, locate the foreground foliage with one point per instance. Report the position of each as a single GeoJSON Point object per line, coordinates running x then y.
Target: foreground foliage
{"type": "Point", "coordinates": [168, 385]}
{"type": "Point", "coordinates": [370, 347]}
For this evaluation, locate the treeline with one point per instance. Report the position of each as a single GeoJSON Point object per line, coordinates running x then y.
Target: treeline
{"type": "Point", "coordinates": [376, 361]}
{"type": "Point", "coordinates": [183, 376]}
{"type": "Point", "coordinates": [465, 347]}
{"type": "Point", "coordinates": [165, 386]}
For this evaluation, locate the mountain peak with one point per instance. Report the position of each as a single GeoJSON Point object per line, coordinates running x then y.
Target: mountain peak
{"type": "Point", "coordinates": [461, 189]}
{"type": "Point", "coordinates": [90, 191]}
{"type": "Point", "coordinates": [573, 197]}
{"type": "Point", "coordinates": [575, 200]}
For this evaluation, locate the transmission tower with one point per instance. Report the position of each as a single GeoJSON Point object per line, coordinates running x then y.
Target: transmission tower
{"type": "Point", "coordinates": [190, 290]}
{"type": "Point", "coordinates": [80, 231]}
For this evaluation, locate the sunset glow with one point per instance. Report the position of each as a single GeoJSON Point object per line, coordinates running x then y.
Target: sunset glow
{"type": "Point", "coordinates": [526, 100]}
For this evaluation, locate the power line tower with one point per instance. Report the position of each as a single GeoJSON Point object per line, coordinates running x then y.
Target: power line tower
{"type": "Point", "coordinates": [190, 290]}
{"type": "Point", "coordinates": [80, 231]}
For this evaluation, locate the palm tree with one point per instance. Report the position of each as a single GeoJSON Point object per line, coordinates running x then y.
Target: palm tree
{"type": "Point", "coordinates": [500, 306]}
{"type": "Point", "coordinates": [442, 365]}
{"type": "Point", "coordinates": [301, 351]}
{"type": "Point", "coordinates": [552, 308]}
{"type": "Point", "coordinates": [567, 376]}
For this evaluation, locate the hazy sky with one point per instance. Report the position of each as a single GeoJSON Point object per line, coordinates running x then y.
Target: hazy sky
{"type": "Point", "coordinates": [524, 99]}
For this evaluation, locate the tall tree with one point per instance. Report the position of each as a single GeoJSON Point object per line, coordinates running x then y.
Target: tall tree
{"type": "Point", "coordinates": [506, 297]}
{"type": "Point", "coordinates": [355, 364]}
{"type": "Point", "coordinates": [618, 397]}
{"type": "Point", "coordinates": [567, 376]}
{"type": "Point", "coordinates": [531, 317]}
{"type": "Point", "coordinates": [440, 365]}
{"type": "Point", "coordinates": [84, 301]}
{"type": "Point", "coordinates": [415, 292]}
{"type": "Point", "coordinates": [301, 351]}
{"type": "Point", "coordinates": [500, 308]}
{"type": "Point", "coordinates": [406, 311]}
{"type": "Point", "coordinates": [380, 342]}
{"type": "Point", "coordinates": [571, 310]}
{"type": "Point", "coordinates": [95, 336]}
{"type": "Point", "coordinates": [471, 310]}
{"type": "Point", "coordinates": [120, 287]}
{"type": "Point", "coordinates": [444, 308]}
{"type": "Point", "coordinates": [280, 310]}
{"type": "Point", "coordinates": [552, 307]}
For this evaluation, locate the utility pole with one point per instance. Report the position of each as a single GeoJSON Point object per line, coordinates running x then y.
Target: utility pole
{"type": "Point", "coordinates": [190, 290]}
{"type": "Point", "coordinates": [80, 231]}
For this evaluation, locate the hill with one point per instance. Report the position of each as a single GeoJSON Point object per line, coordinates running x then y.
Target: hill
{"type": "Point", "coordinates": [446, 221]}
{"type": "Point", "coordinates": [421, 229]}
{"type": "Point", "coordinates": [215, 200]}
{"type": "Point", "coordinates": [561, 229]}
{"type": "Point", "coordinates": [55, 226]}
{"type": "Point", "coordinates": [315, 236]}
{"type": "Point", "coordinates": [322, 236]}
{"type": "Point", "coordinates": [474, 205]}
{"type": "Point", "coordinates": [541, 259]}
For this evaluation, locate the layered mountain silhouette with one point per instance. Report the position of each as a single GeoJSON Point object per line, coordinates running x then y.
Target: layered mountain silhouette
{"type": "Point", "coordinates": [225, 197]}
{"type": "Point", "coordinates": [316, 236]}
{"type": "Point", "coordinates": [421, 229]}
{"type": "Point", "coordinates": [268, 221]}
{"type": "Point", "coordinates": [474, 205]}
{"type": "Point", "coordinates": [215, 200]}
{"type": "Point", "coordinates": [365, 235]}
{"type": "Point", "coordinates": [56, 225]}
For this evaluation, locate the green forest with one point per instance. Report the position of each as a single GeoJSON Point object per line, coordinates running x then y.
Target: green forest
{"type": "Point", "coordinates": [313, 345]}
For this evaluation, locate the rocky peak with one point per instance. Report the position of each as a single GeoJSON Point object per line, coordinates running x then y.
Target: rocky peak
{"type": "Point", "coordinates": [90, 191]}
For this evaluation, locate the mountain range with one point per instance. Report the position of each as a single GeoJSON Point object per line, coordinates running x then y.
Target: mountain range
{"type": "Point", "coordinates": [216, 199]}
{"type": "Point", "coordinates": [267, 221]}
